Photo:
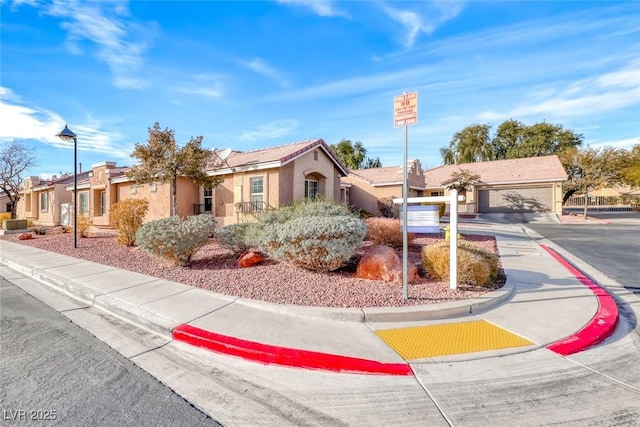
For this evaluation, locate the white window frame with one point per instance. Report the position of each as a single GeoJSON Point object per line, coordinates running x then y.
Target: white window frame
{"type": "Point", "coordinates": [83, 206]}
{"type": "Point", "coordinates": [256, 196]}
{"type": "Point", "coordinates": [103, 203]}
{"type": "Point", "coordinates": [44, 201]}
{"type": "Point", "coordinates": [316, 185]}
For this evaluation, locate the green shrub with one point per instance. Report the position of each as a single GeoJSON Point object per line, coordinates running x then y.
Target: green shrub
{"type": "Point", "coordinates": [386, 231]}
{"type": "Point", "coordinates": [475, 265]}
{"type": "Point", "coordinates": [176, 239]}
{"type": "Point", "coordinates": [236, 237]}
{"type": "Point", "coordinates": [126, 217]}
{"type": "Point", "coordinates": [318, 235]}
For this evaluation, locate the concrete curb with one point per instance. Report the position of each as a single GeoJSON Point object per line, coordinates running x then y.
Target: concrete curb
{"type": "Point", "coordinates": [283, 356]}
{"type": "Point", "coordinates": [601, 326]}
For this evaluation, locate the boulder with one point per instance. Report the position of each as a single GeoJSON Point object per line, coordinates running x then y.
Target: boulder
{"type": "Point", "coordinates": [250, 258]}
{"type": "Point", "coordinates": [383, 263]}
{"type": "Point", "coordinates": [25, 236]}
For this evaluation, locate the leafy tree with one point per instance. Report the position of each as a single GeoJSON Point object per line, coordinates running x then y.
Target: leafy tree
{"type": "Point", "coordinates": [513, 139]}
{"type": "Point", "coordinates": [544, 139]}
{"type": "Point", "coordinates": [462, 180]}
{"type": "Point", "coordinates": [507, 139]}
{"type": "Point", "coordinates": [15, 159]}
{"type": "Point", "coordinates": [590, 169]}
{"type": "Point", "coordinates": [632, 171]}
{"type": "Point", "coordinates": [469, 145]}
{"type": "Point", "coordinates": [162, 160]}
{"type": "Point", "coordinates": [353, 155]}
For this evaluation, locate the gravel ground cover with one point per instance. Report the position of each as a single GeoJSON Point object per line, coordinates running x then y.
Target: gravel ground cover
{"type": "Point", "coordinates": [215, 268]}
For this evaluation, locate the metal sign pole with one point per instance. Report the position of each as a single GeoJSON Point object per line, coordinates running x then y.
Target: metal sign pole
{"type": "Point", "coordinates": [405, 237]}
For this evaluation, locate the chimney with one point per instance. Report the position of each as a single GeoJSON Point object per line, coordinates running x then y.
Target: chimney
{"type": "Point", "coordinates": [80, 167]}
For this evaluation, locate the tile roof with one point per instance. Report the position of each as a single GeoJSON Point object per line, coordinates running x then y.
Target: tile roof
{"type": "Point", "coordinates": [281, 153]}
{"type": "Point", "coordinates": [530, 169]}
{"type": "Point", "coordinates": [378, 175]}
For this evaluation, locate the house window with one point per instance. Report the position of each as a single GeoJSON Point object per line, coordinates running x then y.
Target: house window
{"type": "Point", "coordinates": [436, 193]}
{"type": "Point", "coordinates": [83, 203]}
{"type": "Point", "coordinates": [44, 202]}
{"type": "Point", "coordinates": [208, 199]}
{"type": "Point", "coordinates": [315, 154]}
{"type": "Point", "coordinates": [257, 193]}
{"type": "Point", "coordinates": [310, 188]}
{"type": "Point", "coordinates": [103, 203]}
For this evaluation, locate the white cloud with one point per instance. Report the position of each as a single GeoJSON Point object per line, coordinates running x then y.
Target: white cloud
{"type": "Point", "coordinates": [22, 122]}
{"type": "Point", "coordinates": [426, 20]}
{"type": "Point", "coordinates": [209, 85]}
{"type": "Point", "coordinates": [260, 66]}
{"type": "Point", "coordinates": [272, 130]}
{"type": "Point", "coordinates": [319, 7]}
{"type": "Point", "coordinates": [626, 143]}
{"type": "Point", "coordinates": [610, 91]}
{"type": "Point", "coordinates": [121, 44]}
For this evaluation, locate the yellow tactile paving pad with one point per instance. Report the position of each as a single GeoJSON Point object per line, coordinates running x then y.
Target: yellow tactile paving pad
{"type": "Point", "coordinates": [450, 338]}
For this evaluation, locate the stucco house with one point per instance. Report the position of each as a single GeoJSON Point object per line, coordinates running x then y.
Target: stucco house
{"type": "Point", "coordinates": [252, 182]}
{"type": "Point", "coordinates": [526, 185]}
{"type": "Point", "coordinates": [46, 202]}
{"type": "Point", "coordinates": [5, 203]}
{"type": "Point", "coordinates": [257, 180]}
{"type": "Point", "coordinates": [368, 186]}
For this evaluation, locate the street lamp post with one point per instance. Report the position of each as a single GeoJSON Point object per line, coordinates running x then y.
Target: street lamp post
{"type": "Point", "coordinates": [67, 135]}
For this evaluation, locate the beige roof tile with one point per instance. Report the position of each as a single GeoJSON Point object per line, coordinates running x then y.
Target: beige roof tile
{"type": "Point", "coordinates": [280, 153]}
{"type": "Point", "coordinates": [530, 169]}
{"type": "Point", "coordinates": [378, 175]}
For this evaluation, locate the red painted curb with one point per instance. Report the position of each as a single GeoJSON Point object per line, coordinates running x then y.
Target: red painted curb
{"type": "Point", "coordinates": [271, 354]}
{"type": "Point", "coordinates": [599, 327]}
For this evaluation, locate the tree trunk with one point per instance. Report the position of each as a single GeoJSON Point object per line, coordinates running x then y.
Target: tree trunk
{"type": "Point", "coordinates": [174, 195]}
{"type": "Point", "coordinates": [14, 207]}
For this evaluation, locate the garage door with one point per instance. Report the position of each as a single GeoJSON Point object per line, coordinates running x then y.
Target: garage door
{"type": "Point", "coordinates": [512, 200]}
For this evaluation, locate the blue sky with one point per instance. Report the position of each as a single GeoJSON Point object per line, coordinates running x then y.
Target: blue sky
{"type": "Point", "coordinates": [255, 74]}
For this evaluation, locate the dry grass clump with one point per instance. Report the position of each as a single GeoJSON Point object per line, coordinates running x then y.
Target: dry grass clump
{"type": "Point", "coordinates": [386, 231]}
{"type": "Point", "coordinates": [476, 266]}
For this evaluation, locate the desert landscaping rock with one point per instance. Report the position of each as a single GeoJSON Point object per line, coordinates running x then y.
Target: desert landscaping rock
{"type": "Point", "coordinates": [216, 268]}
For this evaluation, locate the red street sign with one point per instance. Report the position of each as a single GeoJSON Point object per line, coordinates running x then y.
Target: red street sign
{"type": "Point", "coordinates": [405, 109]}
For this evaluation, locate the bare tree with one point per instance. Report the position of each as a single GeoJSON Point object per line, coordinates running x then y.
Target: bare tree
{"type": "Point", "coordinates": [15, 159]}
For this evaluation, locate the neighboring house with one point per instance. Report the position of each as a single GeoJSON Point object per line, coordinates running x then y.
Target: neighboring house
{"type": "Point", "coordinates": [368, 186]}
{"type": "Point", "coordinates": [257, 180]}
{"type": "Point", "coordinates": [45, 202]}
{"type": "Point", "coordinates": [5, 203]}
{"type": "Point", "coordinates": [252, 182]}
{"type": "Point", "coordinates": [532, 184]}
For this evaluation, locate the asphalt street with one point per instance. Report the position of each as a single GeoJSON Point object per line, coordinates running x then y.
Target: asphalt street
{"type": "Point", "coordinates": [614, 249]}
{"type": "Point", "coordinates": [52, 372]}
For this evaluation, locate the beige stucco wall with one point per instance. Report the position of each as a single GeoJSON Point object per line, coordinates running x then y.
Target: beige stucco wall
{"type": "Point", "coordinates": [4, 199]}
{"type": "Point", "coordinates": [315, 165]}
{"type": "Point", "coordinates": [159, 199]}
{"type": "Point", "coordinates": [29, 204]}
{"type": "Point", "coordinates": [99, 183]}
{"type": "Point", "coordinates": [281, 185]}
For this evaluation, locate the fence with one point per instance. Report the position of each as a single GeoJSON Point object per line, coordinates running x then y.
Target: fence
{"type": "Point", "coordinates": [604, 203]}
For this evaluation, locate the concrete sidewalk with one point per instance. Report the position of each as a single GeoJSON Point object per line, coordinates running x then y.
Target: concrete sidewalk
{"type": "Point", "coordinates": [543, 303]}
